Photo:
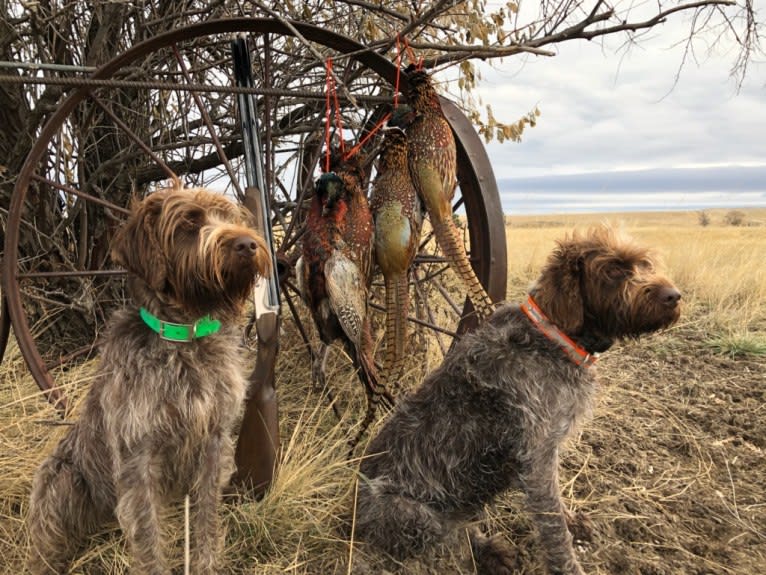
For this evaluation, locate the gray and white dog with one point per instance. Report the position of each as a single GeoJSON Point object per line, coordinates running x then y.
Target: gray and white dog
{"type": "Point", "coordinates": [158, 421]}
{"type": "Point", "coordinates": [494, 414]}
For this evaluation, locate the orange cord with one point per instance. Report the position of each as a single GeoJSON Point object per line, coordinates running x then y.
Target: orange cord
{"type": "Point", "coordinates": [331, 98]}
{"type": "Point", "coordinates": [367, 136]}
{"type": "Point", "coordinates": [419, 62]}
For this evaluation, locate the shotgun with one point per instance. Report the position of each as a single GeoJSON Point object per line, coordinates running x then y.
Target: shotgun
{"type": "Point", "coordinates": [258, 442]}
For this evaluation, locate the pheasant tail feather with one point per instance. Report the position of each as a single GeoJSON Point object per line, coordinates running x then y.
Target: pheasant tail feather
{"type": "Point", "coordinates": [374, 389]}
{"type": "Point", "coordinates": [397, 308]}
{"type": "Point", "coordinates": [450, 242]}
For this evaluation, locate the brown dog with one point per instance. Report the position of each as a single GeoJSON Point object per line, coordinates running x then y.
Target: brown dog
{"type": "Point", "coordinates": [158, 421]}
{"type": "Point", "coordinates": [494, 414]}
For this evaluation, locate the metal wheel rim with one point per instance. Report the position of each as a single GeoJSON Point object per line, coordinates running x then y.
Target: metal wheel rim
{"type": "Point", "coordinates": [477, 183]}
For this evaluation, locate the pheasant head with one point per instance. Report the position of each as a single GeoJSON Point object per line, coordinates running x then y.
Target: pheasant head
{"type": "Point", "coordinates": [421, 94]}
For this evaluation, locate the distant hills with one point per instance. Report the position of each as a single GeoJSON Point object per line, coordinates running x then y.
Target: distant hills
{"type": "Point", "coordinates": [639, 190]}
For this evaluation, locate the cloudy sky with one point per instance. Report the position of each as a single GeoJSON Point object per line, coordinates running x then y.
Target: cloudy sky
{"type": "Point", "coordinates": [622, 113]}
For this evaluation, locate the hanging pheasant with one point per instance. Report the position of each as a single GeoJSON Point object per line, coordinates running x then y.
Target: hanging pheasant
{"type": "Point", "coordinates": [433, 166]}
{"type": "Point", "coordinates": [396, 209]}
{"type": "Point", "coordinates": [334, 270]}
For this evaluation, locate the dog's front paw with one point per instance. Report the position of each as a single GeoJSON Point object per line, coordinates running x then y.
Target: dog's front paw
{"type": "Point", "coordinates": [493, 555]}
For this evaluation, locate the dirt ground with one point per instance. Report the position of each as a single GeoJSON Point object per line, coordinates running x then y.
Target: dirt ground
{"type": "Point", "coordinates": [671, 470]}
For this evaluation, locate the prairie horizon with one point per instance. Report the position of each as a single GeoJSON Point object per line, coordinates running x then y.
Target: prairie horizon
{"type": "Point", "coordinates": [677, 189]}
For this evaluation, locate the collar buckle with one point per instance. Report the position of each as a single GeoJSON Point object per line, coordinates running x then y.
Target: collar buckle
{"type": "Point", "coordinates": [177, 332]}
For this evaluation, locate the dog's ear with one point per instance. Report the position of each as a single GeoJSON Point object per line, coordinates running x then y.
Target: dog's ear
{"type": "Point", "coordinates": [136, 245]}
{"type": "Point", "coordinates": [558, 292]}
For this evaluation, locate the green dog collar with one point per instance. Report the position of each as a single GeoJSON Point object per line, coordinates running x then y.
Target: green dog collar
{"type": "Point", "coordinates": [180, 331]}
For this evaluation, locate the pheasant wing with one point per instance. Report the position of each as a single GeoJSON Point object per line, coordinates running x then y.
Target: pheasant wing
{"type": "Point", "coordinates": [347, 292]}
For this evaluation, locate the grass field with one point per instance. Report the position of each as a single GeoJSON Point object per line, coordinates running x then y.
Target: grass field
{"type": "Point", "coordinates": [670, 471]}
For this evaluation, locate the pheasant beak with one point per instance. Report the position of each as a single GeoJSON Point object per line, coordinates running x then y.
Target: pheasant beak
{"type": "Point", "coordinates": [401, 118]}
{"type": "Point", "coordinates": [392, 130]}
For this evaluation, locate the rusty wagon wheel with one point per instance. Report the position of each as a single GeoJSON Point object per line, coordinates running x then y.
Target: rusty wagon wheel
{"type": "Point", "coordinates": [167, 106]}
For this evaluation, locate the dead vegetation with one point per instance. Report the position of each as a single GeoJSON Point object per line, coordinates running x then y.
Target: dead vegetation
{"type": "Point", "coordinates": [667, 478]}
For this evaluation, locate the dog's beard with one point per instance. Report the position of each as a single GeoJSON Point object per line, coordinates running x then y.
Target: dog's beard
{"type": "Point", "coordinates": [648, 317]}
{"type": "Point", "coordinates": [626, 318]}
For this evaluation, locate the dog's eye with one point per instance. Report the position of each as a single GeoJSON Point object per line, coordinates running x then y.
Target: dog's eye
{"type": "Point", "coordinates": [618, 272]}
{"type": "Point", "coordinates": [646, 266]}
{"type": "Point", "coordinates": [193, 219]}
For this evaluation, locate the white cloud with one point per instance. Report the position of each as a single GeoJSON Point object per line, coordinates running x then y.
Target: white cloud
{"type": "Point", "coordinates": [604, 112]}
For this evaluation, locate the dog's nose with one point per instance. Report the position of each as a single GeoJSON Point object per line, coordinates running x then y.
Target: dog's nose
{"type": "Point", "coordinates": [245, 246]}
{"type": "Point", "coordinates": [669, 296]}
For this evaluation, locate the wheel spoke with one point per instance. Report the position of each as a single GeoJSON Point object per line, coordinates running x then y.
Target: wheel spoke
{"type": "Point", "coordinates": [81, 194]}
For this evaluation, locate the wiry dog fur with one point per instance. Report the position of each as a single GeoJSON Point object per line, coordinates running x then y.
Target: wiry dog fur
{"type": "Point", "coordinates": [158, 421]}
{"type": "Point", "coordinates": [494, 414]}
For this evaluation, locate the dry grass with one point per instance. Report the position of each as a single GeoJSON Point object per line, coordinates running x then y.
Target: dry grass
{"type": "Point", "coordinates": [670, 471]}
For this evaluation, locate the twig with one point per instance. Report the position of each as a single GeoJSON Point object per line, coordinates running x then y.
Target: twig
{"type": "Point", "coordinates": [734, 510]}
{"type": "Point", "coordinates": [484, 51]}
{"type": "Point", "coordinates": [377, 8]}
{"type": "Point", "coordinates": [320, 59]}
{"type": "Point", "coordinates": [353, 526]}
{"type": "Point", "coordinates": [428, 15]}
